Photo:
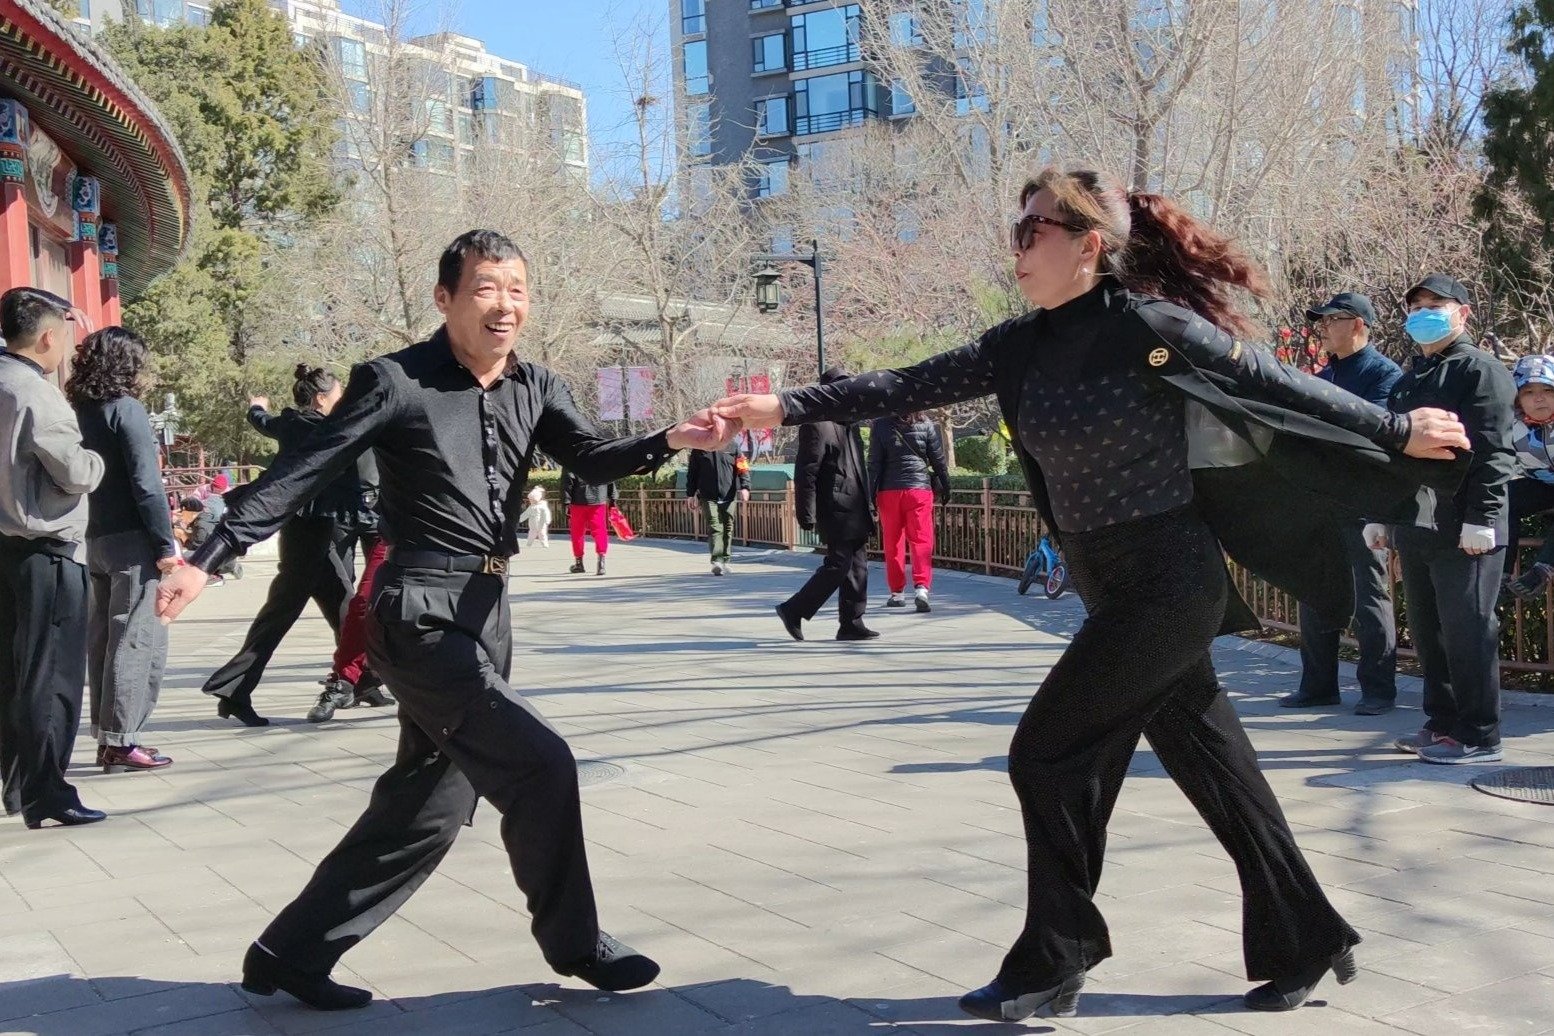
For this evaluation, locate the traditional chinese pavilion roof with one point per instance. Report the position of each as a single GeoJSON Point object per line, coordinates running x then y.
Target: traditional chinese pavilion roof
{"type": "Point", "coordinates": [76, 94]}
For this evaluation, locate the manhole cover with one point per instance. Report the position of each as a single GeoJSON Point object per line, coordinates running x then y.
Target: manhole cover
{"type": "Point", "coordinates": [1522, 783]}
{"type": "Point", "coordinates": [591, 772]}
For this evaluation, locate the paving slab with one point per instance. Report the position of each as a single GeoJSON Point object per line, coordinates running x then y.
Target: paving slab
{"type": "Point", "coordinates": [814, 838]}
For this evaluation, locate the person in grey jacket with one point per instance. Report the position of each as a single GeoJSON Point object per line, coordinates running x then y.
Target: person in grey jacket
{"type": "Point", "coordinates": [46, 473]}
{"type": "Point", "coordinates": [129, 544]}
{"type": "Point", "coordinates": [908, 473]}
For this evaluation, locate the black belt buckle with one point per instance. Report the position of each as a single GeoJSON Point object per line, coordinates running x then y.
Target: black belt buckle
{"type": "Point", "coordinates": [494, 565]}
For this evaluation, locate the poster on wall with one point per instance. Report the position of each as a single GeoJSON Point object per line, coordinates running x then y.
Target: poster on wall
{"type": "Point", "coordinates": [639, 396]}
{"type": "Point", "coordinates": [611, 394]}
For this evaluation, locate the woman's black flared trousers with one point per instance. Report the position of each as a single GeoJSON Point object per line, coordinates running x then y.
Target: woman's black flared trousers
{"type": "Point", "coordinates": [1154, 590]}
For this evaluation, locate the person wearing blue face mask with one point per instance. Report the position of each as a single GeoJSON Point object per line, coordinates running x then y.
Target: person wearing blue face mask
{"type": "Point", "coordinates": [1451, 576]}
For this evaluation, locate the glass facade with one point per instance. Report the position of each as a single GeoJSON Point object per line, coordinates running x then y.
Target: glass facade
{"type": "Point", "coordinates": [697, 80]}
{"type": "Point", "coordinates": [828, 37]}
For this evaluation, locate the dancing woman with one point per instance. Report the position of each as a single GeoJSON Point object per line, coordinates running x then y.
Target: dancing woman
{"type": "Point", "coordinates": [1125, 352]}
{"type": "Point", "coordinates": [317, 559]}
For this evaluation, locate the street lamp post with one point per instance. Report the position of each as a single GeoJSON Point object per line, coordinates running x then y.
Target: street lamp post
{"type": "Point", "coordinates": [768, 291]}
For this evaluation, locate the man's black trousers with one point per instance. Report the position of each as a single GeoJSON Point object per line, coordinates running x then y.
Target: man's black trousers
{"type": "Point", "coordinates": [1451, 613]}
{"type": "Point", "coordinates": [443, 642]}
{"type": "Point", "coordinates": [845, 568]}
{"type": "Point", "coordinates": [43, 605]}
{"type": "Point", "coordinates": [1374, 628]}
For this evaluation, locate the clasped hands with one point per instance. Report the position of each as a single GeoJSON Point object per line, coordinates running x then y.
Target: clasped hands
{"type": "Point", "coordinates": [716, 426]}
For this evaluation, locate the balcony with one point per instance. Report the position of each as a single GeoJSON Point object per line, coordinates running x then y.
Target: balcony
{"type": "Point", "coordinates": [827, 122]}
{"type": "Point", "coordinates": [825, 57]}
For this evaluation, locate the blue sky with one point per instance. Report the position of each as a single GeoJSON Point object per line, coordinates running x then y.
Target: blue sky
{"type": "Point", "coordinates": [572, 39]}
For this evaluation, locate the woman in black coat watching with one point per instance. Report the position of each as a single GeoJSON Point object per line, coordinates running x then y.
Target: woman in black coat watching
{"type": "Point", "coordinates": [316, 559]}
{"type": "Point", "coordinates": [129, 544]}
{"type": "Point", "coordinates": [1132, 330]}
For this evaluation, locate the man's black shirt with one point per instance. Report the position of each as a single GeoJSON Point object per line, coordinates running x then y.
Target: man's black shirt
{"type": "Point", "coordinates": [449, 453]}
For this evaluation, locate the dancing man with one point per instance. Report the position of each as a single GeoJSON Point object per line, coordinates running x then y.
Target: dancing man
{"type": "Point", "coordinates": [454, 421]}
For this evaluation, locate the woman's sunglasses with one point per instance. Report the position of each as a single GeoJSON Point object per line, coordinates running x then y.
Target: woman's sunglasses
{"type": "Point", "coordinates": [1023, 234]}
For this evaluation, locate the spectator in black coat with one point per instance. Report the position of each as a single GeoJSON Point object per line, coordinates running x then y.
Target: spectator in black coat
{"type": "Point", "coordinates": [908, 472]}
{"type": "Point", "coordinates": [129, 544]}
{"type": "Point", "coordinates": [720, 482]}
{"type": "Point", "coordinates": [832, 486]}
{"type": "Point", "coordinates": [588, 511]}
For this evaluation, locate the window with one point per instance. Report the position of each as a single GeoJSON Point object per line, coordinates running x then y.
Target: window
{"type": "Point", "coordinates": [697, 81]}
{"type": "Point", "coordinates": [693, 16]}
{"type": "Point", "coordinates": [574, 149]}
{"type": "Point", "coordinates": [773, 116]}
{"type": "Point", "coordinates": [770, 53]}
{"type": "Point", "coordinates": [442, 155]}
{"type": "Point", "coordinates": [901, 102]}
{"type": "Point", "coordinates": [826, 103]}
{"type": "Point", "coordinates": [85, 10]}
{"type": "Point", "coordinates": [782, 240]}
{"type": "Point", "coordinates": [761, 5]}
{"type": "Point", "coordinates": [970, 94]}
{"type": "Point", "coordinates": [825, 38]}
{"type": "Point", "coordinates": [698, 130]}
{"type": "Point", "coordinates": [353, 58]}
{"type": "Point", "coordinates": [360, 96]}
{"type": "Point", "coordinates": [466, 128]}
{"type": "Point", "coordinates": [904, 30]}
{"type": "Point", "coordinates": [197, 15]}
{"type": "Point", "coordinates": [971, 27]}
{"type": "Point", "coordinates": [772, 178]}
{"type": "Point", "coordinates": [439, 117]}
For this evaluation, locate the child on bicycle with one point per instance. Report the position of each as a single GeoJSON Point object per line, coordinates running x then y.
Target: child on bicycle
{"type": "Point", "coordinates": [1533, 492]}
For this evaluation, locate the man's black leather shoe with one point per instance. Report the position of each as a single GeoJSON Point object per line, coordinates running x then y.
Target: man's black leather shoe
{"type": "Point", "coordinates": [614, 966]}
{"type": "Point", "coordinates": [1305, 701]}
{"type": "Point", "coordinates": [791, 623]}
{"type": "Point", "coordinates": [75, 816]}
{"type": "Point", "coordinates": [241, 710]}
{"type": "Point", "coordinates": [858, 632]}
{"type": "Point", "coordinates": [264, 973]}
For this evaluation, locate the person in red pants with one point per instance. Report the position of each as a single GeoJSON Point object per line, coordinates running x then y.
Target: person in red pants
{"type": "Point", "coordinates": [588, 510]}
{"type": "Point", "coordinates": [908, 471]}
{"type": "Point", "coordinates": [350, 682]}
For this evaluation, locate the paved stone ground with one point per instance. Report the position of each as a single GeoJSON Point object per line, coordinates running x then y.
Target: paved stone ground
{"type": "Point", "coordinates": [813, 838]}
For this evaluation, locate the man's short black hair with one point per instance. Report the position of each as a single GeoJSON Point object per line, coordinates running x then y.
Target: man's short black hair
{"type": "Point", "coordinates": [191, 503]}
{"type": "Point", "coordinates": [491, 245]}
{"type": "Point", "coordinates": [23, 312]}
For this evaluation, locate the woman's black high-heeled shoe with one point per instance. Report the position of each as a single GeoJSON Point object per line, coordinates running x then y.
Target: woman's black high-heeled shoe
{"type": "Point", "coordinates": [241, 710]}
{"type": "Point", "coordinates": [1286, 994]}
{"type": "Point", "coordinates": [1000, 1003]}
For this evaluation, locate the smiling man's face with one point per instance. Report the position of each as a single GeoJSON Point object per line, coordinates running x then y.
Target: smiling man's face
{"type": "Point", "coordinates": [488, 309]}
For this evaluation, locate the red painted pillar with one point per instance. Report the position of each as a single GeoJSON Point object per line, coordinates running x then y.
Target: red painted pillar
{"type": "Point", "coordinates": [86, 289]}
{"type": "Point", "coordinates": [15, 244]}
{"type": "Point", "coordinates": [108, 254]}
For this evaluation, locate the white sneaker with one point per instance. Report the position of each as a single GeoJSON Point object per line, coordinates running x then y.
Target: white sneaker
{"type": "Point", "coordinates": [895, 601]}
{"type": "Point", "coordinates": [920, 595]}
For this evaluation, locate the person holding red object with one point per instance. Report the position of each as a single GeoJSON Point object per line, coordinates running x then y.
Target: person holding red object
{"type": "Point", "coordinates": [908, 472]}
{"type": "Point", "coordinates": [350, 682]}
{"type": "Point", "coordinates": [588, 511]}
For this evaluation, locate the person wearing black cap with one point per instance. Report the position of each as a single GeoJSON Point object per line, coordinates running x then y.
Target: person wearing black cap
{"type": "Point", "coordinates": [1344, 324]}
{"type": "Point", "coordinates": [1451, 576]}
{"type": "Point", "coordinates": [832, 487]}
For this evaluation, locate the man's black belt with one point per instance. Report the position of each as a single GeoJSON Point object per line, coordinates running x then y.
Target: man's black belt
{"type": "Point", "coordinates": [490, 564]}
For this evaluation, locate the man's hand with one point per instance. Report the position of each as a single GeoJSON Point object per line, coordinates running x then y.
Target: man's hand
{"type": "Point", "coordinates": [744, 496]}
{"type": "Point", "coordinates": [1433, 434]}
{"type": "Point", "coordinates": [1477, 539]}
{"type": "Point", "coordinates": [180, 587]}
{"type": "Point", "coordinates": [751, 411]}
{"type": "Point", "coordinates": [691, 503]}
{"type": "Point", "coordinates": [806, 526]}
{"type": "Point", "coordinates": [1375, 536]}
{"type": "Point", "coordinates": [259, 401]}
{"type": "Point", "coordinates": [704, 430]}
{"type": "Point", "coordinates": [167, 565]}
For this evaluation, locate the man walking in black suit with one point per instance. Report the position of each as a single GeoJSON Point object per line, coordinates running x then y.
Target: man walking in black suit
{"type": "Point", "coordinates": [832, 484]}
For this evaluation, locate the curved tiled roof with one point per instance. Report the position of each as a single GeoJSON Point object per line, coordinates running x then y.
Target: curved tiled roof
{"type": "Point", "coordinates": [76, 94]}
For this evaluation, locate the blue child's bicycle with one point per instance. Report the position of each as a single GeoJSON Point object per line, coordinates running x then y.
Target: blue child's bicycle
{"type": "Point", "coordinates": [1045, 563]}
